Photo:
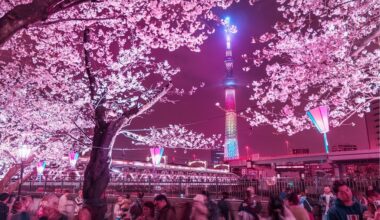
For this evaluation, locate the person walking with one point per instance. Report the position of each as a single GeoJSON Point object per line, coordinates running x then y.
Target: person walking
{"type": "Point", "coordinates": [4, 209]}
{"type": "Point", "coordinates": [137, 206]}
{"type": "Point", "coordinates": [326, 201]}
{"type": "Point", "coordinates": [278, 211]}
{"type": "Point", "coordinates": [298, 211]}
{"type": "Point", "coordinates": [225, 207]}
{"type": "Point", "coordinates": [64, 202]}
{"type": "Point", "coordinates": [165, 210]}
{"type": "Point", "coordinates": [199, 210]}
{"type": "Point", "coordinates": [345, 207]}
{"type": "Point", "coordinates": [304, 202]}
{"type": "Point", "coordinates": [78, 202]}
{"type": "Point", "coordinates": [250, 208]}
{"type": "Point", "coordinates": [147, 211]}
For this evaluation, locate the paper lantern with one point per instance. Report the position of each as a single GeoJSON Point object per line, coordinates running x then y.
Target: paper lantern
{"type": "Point", "coordinates": [73, 157]}
{"type": "Point", "coordinates": [40, 169]}
{"type": "Point", "coordinates": [320, 118]}
{"type": "Point", "coordinates": [156, 153]}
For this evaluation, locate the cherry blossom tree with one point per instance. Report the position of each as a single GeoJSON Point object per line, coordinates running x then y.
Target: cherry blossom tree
{"type": "Point", "coordinates": [175, 136]}
{"type": "Point", "coordinates": [320, 53]}
{"type": "Point", "coordinates": [75, 73]}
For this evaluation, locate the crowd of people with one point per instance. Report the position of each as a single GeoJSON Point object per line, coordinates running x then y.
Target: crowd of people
{"type": "Point", "coordinates": [337, 204]}
{"type": "Point", "coordinates": [49, 207]}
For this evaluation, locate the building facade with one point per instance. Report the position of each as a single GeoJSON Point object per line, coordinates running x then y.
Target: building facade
{"type": "Point", "coordinates": [372, 120]}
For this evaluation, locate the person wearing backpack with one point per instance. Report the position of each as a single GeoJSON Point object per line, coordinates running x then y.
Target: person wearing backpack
{"type": "Point", "coordinates": [137, 207]}
{"type": "Point", "coordinates": [304, 202]}
{"type": "Point", "coordinates": [225, 207]}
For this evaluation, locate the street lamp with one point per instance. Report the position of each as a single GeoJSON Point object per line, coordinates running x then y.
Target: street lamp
{"type": "Point", "coordinates": [23, 154]}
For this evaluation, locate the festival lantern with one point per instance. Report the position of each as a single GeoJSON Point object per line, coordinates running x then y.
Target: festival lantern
{"type": "Point", "coordinates": [40, 169]}
{"type": "Point", "coordinates": [73, 157]}
{"type": "Point", "coordinates": [319, 117]}
{"type": "Point", "coordinates": [156, 153]}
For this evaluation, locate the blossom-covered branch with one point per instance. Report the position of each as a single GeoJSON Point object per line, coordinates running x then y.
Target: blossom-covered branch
{"type": "Point", "coordinates": [175, 136]}
{"type": "Point", "coordinates": [321, 53]}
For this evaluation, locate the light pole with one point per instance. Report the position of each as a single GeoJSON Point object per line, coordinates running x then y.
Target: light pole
{"type": "Point", "coordinates": [23, 154]}
{"type": "Point", "coordinates": [246, 151]}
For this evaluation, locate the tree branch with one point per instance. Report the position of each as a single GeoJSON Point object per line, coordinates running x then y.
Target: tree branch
{"type": "Point", "coordinates": [366, 42]}
{"type": "Point", "coordinates": [91, 78]}
{"type": "Point", "coordinates": [21, 16]}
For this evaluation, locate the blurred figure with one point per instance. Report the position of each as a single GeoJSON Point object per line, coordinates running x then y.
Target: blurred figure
{"type": "Point", "coordinates": [64, 202]}
{"type": "Point", "coordinates": [283, 194]}
{"type": "Point", "coordinates": [148, 211]}
{"type": "Point", "coordinates": [4, 209]}
{"type": "Point", "coordinates": [84, 214]}
{"type": "Point", "coordinates": [78, 202]}
{"type": "Point", "coordinates": [124, 208]}
{"type": "Point", "coordinates": [345, 208]}
{"type": "Point", "coordinates": [165, 210]}
{"type": "Point", "coordinates": [304, 202]}
{"type": "Point", "coordinates": [137, 206]}
{"type": "Point", "coordinates": [48, 209]}
{"type": "Point", "coordinates": [250, 208]}
{"type": "Point", "coordinates": [22, 208]}
{"type": "Point", "coordinates": [278, 211]}
{"type": "Point", "coordinates": [373, 211]}
{"type": "Point", "coordinates": [199, 210]}
{"type": "Point", "coordinates": [298, 211]}
{"type": "Point", "coordinates": [326, 201]}
{"type": "Point", "coordinates": [225, 207]}
{"type": "Point", "coordinates": [117, 208]}
{"type": "Point", "coordinates": [361, 199]}
{"type": "Point", "coordinates": [213, 210]}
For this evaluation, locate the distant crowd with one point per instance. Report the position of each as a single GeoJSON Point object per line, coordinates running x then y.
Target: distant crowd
{"type": "Point", "coordinates": [336, 204]}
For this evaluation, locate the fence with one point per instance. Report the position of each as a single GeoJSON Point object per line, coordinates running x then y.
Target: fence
{"type": "Point", "coordinates": [187, 188]}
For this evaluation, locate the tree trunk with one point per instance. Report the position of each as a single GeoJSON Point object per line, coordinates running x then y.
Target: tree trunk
{"type": "Point", "coordinates": [97, 175]}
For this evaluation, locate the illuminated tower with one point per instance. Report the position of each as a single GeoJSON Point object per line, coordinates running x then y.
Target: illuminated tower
{"type": "Point", "coordinates": [231, 147]}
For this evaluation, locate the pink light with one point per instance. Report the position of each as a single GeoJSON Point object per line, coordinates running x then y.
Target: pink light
{"type": "Point", "coordinates": [41, 167]}
{"type": "Point", "coordinates": [156, 153]}
{"type": "Point", "coordinates": [73, 157]}
{"type": "Point", "coordinates": [320, 118]}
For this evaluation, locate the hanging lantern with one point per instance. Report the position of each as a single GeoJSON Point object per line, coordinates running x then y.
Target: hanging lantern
{"type": "Point", "coordinates": [319, 117]}
{"type": "Point", "coordinates": [73, 157]}
{"type": "Point", "coordinates": [40, 169]}
{"type": "Point", "coordinates": [156, 153]}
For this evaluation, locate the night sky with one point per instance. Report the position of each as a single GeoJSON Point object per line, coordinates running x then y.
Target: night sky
{"type": "Point", "coordinates": [198, 111]}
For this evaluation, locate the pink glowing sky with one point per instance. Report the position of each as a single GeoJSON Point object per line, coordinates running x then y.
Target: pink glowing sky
{"type": "Point", "coordinates": [199, 110]}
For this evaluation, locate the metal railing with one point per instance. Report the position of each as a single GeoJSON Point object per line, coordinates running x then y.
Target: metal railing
{"type": "Point", "coordinates": [186, 188]}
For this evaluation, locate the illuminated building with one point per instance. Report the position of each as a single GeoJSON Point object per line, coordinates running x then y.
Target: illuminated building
{"type": "Point", "coordinates": [231, 147]}
{"type": "Point", "coordinates": [372, 120]}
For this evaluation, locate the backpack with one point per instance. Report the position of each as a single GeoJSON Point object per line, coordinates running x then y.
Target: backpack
{"type": "Point", "coordinates": [136, 210]}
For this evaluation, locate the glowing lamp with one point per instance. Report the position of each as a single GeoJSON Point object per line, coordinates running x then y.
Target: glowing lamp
{"type": "Point", "coordinates": [156, 153]}
{"type": "Point", "coordinates": [319, 117]}
{"type": "Point", "coordinates": [40, 169]}
{"type": "Point", "coordinates": [23, 153]}
{"type": "Point", "coordinates": [73, 157]}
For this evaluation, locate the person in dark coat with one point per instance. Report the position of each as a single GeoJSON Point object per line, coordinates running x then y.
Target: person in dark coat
{"type": "Point", "coordinates": [165, 210]}
{"type": "Point", "coordinates": [4, 209]}
{"type": "Point", "coordinates": [345, 208]}
{"type": "Point", "coordinates": [225, 207]}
